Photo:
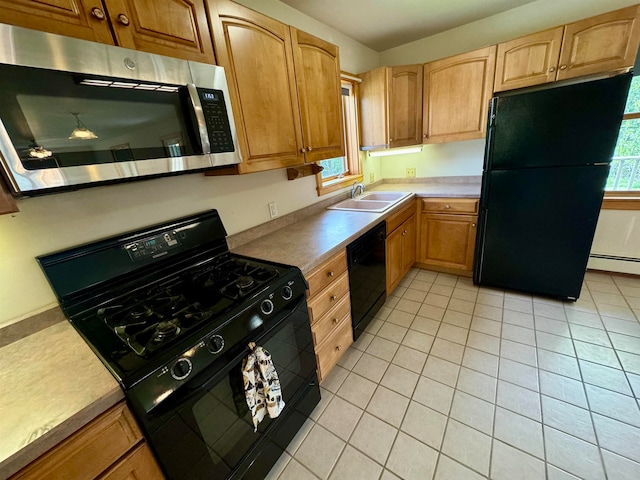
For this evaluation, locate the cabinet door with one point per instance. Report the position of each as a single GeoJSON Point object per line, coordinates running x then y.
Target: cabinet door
{"type": "Point", "coordinates": [256, 53]}
{"type": "Point", "coordinates": [447, 241]}
{"type": "Point", "coordinates": [602, 43]}
{"type": "Point", "coordinates": [405, 105]}
{"type": "Point", "coordinates": [529, 60]}
{"type": "Point", "coordinates": [374, 112]}
{"type": "Point", "coordinates": [456, 96]}
{"type": "Point", "coordinates": [409, 244]}
{"type": "Point", "coordinates": [7, 203]}
{"type": "Point", "coordinates": [176, 28]}
{"type": "Point", "coordinates": [137, 465]}
{"type": "Point", "coordinates": [84, 19]}
{"type": "Point", "coordinates": [393, 260]}
{"type": "Point", "coordinates": [317, 68]}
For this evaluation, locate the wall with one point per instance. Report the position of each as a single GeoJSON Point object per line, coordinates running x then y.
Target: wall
{"type": "Point", "coordinates": [59, 221]}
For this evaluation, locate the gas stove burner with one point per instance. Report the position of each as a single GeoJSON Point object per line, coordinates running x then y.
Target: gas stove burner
{"type": "Point", "coordinates": [244, 282]}
{"type": "Point", "coordinates": [140, 312]}
{"type": "Point", "coordinates": [164, 331]}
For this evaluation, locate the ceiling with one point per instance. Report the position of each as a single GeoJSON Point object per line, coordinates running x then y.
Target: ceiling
{"type": "Point", "coordinates": [384, 24]}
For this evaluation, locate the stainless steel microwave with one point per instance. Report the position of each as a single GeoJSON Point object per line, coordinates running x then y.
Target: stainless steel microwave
{"type": "Point", "coordinates": [74, 113]}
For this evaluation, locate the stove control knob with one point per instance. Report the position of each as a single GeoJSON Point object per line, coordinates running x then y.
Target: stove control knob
{"type": "Point", "coordinates": [215, 344]}
{"type": "Point", "coordinates": [181, 369]}
{"type": "Point", "coordinates": [266, 307]}
{"type": "Point", "coordinates": [287, 293]}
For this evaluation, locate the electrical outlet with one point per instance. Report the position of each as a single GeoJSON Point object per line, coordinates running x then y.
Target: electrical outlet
{"type": "Point", "coordinates": [372, 177]}
{"type": "Point", "coordinates": [411, 173]}
{"type": "Point", "coordinates": [273, 210]}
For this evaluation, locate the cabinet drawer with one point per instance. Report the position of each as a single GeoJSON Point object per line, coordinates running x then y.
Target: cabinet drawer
{"type": "Point", "coordinates": [326, 273]}
{"type": "Point", "coordinates": [450, 205]}
{"type": "Point", "coordinates": [327, 298]}
{"type": "Point", "coordinates": [397, 219]}
{"type": "Point", "coordinates": [334, 346]}
{"type": "Point", "coordinates": [90, 451]}
{"type": "Point", "coordinates": [322, 328]}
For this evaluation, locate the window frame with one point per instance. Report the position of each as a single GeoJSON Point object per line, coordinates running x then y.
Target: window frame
{"type": "Point", "coordinates": [350, 127]}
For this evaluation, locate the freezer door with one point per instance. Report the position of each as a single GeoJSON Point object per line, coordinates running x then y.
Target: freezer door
{"type": "Point", "coordinates": [536, 228]}
{"type": "Point", "coordinates": [561, 126]}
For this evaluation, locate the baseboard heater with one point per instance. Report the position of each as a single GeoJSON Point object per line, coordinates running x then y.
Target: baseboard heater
{"type": "Point", "coordinates": [614, 263]}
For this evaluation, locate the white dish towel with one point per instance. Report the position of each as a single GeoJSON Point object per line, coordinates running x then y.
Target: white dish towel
{"type": "Point", "coordinates": [261, 385]}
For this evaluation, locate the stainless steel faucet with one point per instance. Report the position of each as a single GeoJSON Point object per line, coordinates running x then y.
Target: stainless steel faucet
{"type": "Point", "coordinates": [355, 187]}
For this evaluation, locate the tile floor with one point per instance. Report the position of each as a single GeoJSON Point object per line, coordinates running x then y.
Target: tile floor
{"type": "Point", "coordinates": [458, 382]}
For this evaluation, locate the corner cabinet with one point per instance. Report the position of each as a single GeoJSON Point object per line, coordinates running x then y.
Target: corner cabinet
{"type": "Point", "coordinates": [391, 107]}
{"type": "Point", "coordinates": [447, 234]}
{"type": "Point", "coordinates": [110, 447]}
{"type": "Point", "coordinates": [285, 89]}
{"type": "Point", "coordinates": [330, 312]}
{"type": "Point", "coordinates": [603, 43]}
{"type": "Point", "coordinates": [176, 28]}
{"type": "Point", "coordinates": [7, 202]}
{"type": "Point", "coordinates": [456, 96]}
{"type": "Point", "coordinates": [400, 245]}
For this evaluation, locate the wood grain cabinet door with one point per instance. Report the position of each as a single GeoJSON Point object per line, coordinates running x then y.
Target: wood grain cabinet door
{"type": "Point", "coordinates": [256, 53]}
{"type": "Point", "coordinates": [456, 96]}
{"type": "Point", "coordinates": [529, 60]}
{"type": "Point", "coordinates": [176, 28]}
{"type": "Point", "coordinates": [602, 43]}
{"type": "Point", "coordinates": [84, 19]}
{"type": "Point", "coordinates": [317, 69]}
{"type": "Point", "coordinates": [409, 244]}
{"type": "Point", "coordinates": [405, 105]}
{"type": "Point", "coordinates": [393, 259]}
{"type": "Point", "coordinates": [137, 465]}
{"type": "Point", "coordinates": [447, 241]}
{"type": "Point", "coordinates": [7, 203]}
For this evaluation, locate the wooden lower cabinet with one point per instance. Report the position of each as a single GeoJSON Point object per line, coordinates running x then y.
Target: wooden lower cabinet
{"type": "Point", "coordinates": [447, 235]}
{"type": "Point", "coordinates": [401, 245]}
{"type": "Point", "coordinates": [330, 312]}
{"type": "Point", "coordinates": [111, 446]}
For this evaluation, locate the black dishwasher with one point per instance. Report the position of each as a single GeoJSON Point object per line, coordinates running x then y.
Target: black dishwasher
{"type": "Point", "coordinates": [367, 276]}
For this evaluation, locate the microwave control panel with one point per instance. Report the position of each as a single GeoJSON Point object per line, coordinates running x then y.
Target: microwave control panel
{"type": "Point", "coordinates": [215, 114]}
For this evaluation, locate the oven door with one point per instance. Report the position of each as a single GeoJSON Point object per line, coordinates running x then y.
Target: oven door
{"type": "Point", "coordinates": [205, 429]}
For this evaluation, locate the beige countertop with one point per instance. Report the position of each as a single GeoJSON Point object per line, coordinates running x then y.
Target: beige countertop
{"type": "Point", "coordinates": [309, 242]}
{"type": "Point", "coordinates": [53, 384]}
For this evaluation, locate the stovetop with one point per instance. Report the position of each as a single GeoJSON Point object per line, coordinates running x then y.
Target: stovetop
{"type": "Point", "coordinates": [151, 319]}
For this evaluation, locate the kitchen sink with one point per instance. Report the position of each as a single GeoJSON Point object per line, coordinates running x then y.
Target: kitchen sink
{"type": "Point", "coordinates": [371, 202]}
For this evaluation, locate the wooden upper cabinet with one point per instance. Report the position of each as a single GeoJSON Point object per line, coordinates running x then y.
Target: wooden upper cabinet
{"type": "Point", "coordinates": [602, 43]}
{"type": "Point", "coordinates": [317, 70]}
{"type": "Point", "coordinates": [391, 107]}
{"type": "Point", "coordinates": [7, 203]}
{"type": "Point", "coordinates": [456, 96]}
{"type": "Point", "coordinates": [256, 53]}
{"type": "Point", "coordinates": [405, 105]}
{"type": "Point", "coordinates": [529, 60]}
{"type": "Point", "coordinates": [176, 28]}
{"type": "Point", "coordinates": [84, 19]}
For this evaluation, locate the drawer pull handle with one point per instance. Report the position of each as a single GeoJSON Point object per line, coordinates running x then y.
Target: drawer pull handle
{"type": "Point", "coordinates": [331, 274]}
{"type": "Point", "coordinates": [447, 206]}
{"type": "Point", "coordinates": [339, 347]}
{"type": "Point", "coordinates": [335, 321]}
{"type": "Point", "coordinates": [333, 298]}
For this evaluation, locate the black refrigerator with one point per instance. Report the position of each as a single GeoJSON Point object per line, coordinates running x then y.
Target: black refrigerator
{"type": "Point", "coordinates": [546, 163]}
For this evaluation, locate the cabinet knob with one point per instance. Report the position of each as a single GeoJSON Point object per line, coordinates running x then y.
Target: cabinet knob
{"type": "Point", "coordinates": [97, 13]}
{"type": "Point", "coordinates": [309, 149]}
{"type": "Point", "coordinates": [335, 321]}
{"type": "Point", "coordinates": [424, 135]}
{"type": "Point", "coordinates": [552, 69]}
{"type": "Point", "coordinates": [333, 298]}
{"type": "Point", "coordinates": [563, 67]}
{"type": "Point", "coordinates": [473, 225]}
{"type": "Point", "coordinates": [339, 347]}
{"type": "Point", "coordinates": [447, 206]}
{"type": "Point", "coordinates": [123, 19]}
{"type": "Point", "coordinates": [331, 274]}
{"type": "Point", "coordinates": [390, 140]}
{"type": "Point", "coordinates": [302, 150]}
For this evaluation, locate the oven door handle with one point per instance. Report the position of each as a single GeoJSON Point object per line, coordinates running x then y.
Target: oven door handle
{"type": "Point", "coordinates": [191, 389]}
{"type": "Point", "coordinates": [201, 122]}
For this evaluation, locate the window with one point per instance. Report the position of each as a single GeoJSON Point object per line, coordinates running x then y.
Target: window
{"type": "Point", "coordinates": [624, 175]}
{"type": "Point", "coordinates": [342, 171]}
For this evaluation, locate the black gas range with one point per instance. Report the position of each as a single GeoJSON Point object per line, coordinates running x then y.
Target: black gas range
{"type": "Point", "coordinates": [170, 311]}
